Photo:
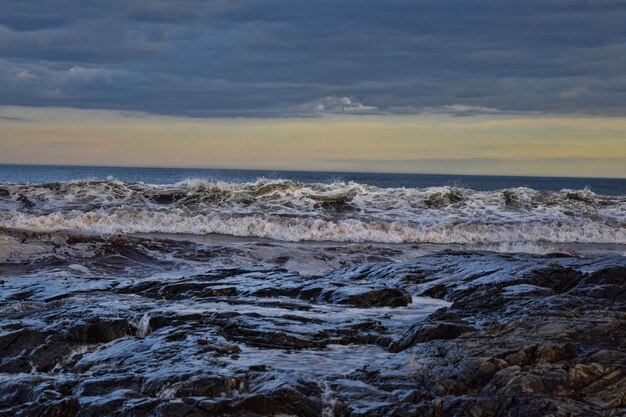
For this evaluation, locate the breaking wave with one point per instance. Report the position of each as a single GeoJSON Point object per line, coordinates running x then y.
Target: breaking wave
{"type": "Point", "coordinates": [293, 211]}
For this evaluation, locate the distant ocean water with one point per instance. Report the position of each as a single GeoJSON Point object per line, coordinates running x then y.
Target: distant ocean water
{"type": "Point", "coordinates": [42, 174]}
{"type": "Point", "coordinates": [480, 211]}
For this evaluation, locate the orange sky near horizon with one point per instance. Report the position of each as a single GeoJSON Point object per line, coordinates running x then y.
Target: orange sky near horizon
{"type": "Point", "coordinates": [425, 143]}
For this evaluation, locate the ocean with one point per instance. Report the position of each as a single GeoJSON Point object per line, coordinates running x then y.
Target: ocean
{"type": "Point", "coordinates": [154, 292]}
{"type": "Point", "coordinates": [41, 174]}
{"type": "Point", "coordinates": [527, 214]}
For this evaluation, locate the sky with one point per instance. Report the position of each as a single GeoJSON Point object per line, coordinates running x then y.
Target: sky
{"type": "Point", "coordinates": [490, 87]}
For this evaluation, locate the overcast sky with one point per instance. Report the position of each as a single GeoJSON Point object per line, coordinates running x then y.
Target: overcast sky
{"type": "Point", "coordinates": [314, 59]}
{"type": "Point", "coordinates": [268, 58]}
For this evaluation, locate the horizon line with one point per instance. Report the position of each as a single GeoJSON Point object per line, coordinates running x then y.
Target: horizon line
{"type": "Point", "coordinates": [308, 171]}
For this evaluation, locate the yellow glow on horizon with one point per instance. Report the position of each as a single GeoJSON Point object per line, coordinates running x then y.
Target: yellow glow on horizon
{"type": "Point", "coordinates": [491, 145]}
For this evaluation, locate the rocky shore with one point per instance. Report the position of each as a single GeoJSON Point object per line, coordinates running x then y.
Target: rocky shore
{"type": "Point", "coordinates": [449, 334]}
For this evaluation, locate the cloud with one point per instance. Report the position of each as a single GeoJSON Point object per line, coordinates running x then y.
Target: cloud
{"type": "Point", "coordinates": [279, 58]}
{"type": "Point", "coordinates": [333, 105]}
{"type": "Point", "coordinates": [460, 110]}
{"type": "Point", "coordinates": [463, 109]}
{"type": "Point", "coordinates": [34, 83]}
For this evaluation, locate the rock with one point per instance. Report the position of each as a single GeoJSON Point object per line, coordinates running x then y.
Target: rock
{"type": "Point", "coordinates": [380, 297]}
{"type": "Point", "coordinates": [97, 330]}
{"type": "Point", "coordinates": [518, 335]}
{"type": "Point", "coordinates": [424, 332]}
{"type": "Point", "coordinates": [298, 398]}
{"type": "Point", "coordinates": [608, 283]}
{"type": "Point", "coordinates": [25, 203]}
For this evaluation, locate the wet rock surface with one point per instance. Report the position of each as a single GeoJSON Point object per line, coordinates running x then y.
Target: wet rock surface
{"type": "Point", "coordinates": [448, 334]}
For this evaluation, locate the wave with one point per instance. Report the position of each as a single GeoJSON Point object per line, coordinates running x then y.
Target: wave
{"type": "Point", "coordinates": [293, 211]}
{"type": "Point", "coordinates": [297, 229]}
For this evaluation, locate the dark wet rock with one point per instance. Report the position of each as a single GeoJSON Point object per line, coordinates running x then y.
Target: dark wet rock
{"type": "Point", "coordinates": [519, 335]}
{"type": "Point", "coordinates": [511, 199]}
{"type": "Point", "coordinates": [105, 405]}
{"type": "Point", "coordinates": [258, 337]}
{"type": "Point", "coordinates": [444, 198]}
{"type": "Point", "coordinates": [25, 203]}
{"type": "Point", "coordinates": [276, 396]}
{"type": "Point", "coordinates": [534, 337]}
{"type": "Point", "coordinates": [609, 284]}
{"type": "Point", "coordinates": [339, 205]}
{"type": "Point", "coordinates": [65, 407]}
{"type": "Point", "coordinates": [201, 289]}
{"type": "Point", "coordinates": [556, 278]}
{"type": "Point", "coordinates": [166, 198]}
{"type": "Point", "coordinates": [580, 196]}
{"type": "Point", "coordinates": [97, 330]}
{"type": "Point", "coordinates": [375, 297]}
{"type": "Point", "coordinates": [15, 347]}
{"type": "Point", "coordinates": [424, 332]}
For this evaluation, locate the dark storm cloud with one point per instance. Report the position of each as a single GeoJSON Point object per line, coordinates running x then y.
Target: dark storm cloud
{"type": "Point", "coordinates": [292, 58]}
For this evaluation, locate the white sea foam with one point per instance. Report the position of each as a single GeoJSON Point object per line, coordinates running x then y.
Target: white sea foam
{"type": "Point", "coordinates": [297, 229]}
{"type": "Point", "coordinates": [344, 212]}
